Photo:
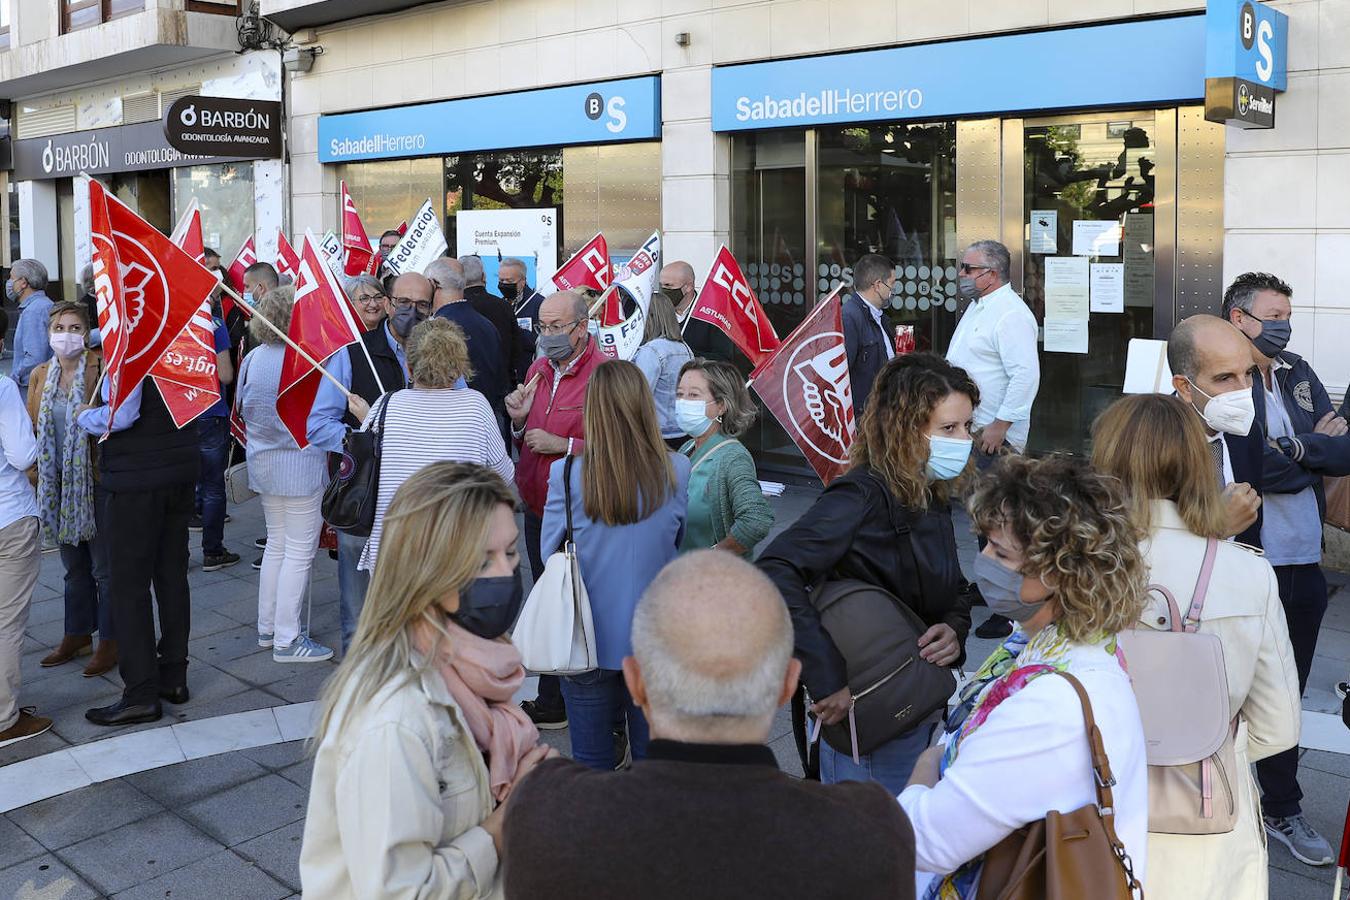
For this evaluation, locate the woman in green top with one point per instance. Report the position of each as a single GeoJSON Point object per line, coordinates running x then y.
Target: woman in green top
{"type": "Point", "coordinates": [727, 509]}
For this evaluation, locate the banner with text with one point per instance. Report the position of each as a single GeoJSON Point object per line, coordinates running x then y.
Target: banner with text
{"type": "Point", "coordinates": [423, 241]}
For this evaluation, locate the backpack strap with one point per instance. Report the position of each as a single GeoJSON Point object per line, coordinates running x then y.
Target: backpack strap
{"type": "Point", "coordinates": [1173, 611]}
{"type": "Point", "coordinates": [1192, 622]}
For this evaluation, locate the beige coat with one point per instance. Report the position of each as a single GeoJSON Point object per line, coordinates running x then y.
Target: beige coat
{"type": "Point", "coordinates": [398, 792]}
{"type": "Point", "coordinates": [1243, 608]}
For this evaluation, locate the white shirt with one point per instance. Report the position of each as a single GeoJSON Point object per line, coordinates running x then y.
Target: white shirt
{"type": "Point", "coordinates": [995, 342]}
{"type": "Point", "coordinates": [18, 451]}
{"type": "Point", "coordinates": [886, 340]}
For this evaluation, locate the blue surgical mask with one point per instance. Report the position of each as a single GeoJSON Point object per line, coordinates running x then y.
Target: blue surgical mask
{"type": "Point", "coordinates": [691, 416]}
{"type": "Point", "coordinates": [947, 457]}
{"type": "Point", "coordinates": [9, 289]}
{"type": "Point", "coordinates": [248, 297]}
{"type": "Point", "coordinates": [1001, 588]}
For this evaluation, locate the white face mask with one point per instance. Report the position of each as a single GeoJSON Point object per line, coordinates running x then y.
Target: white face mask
{"type": "Point", "coordinates": [1231, 412]}
{"type": "Point", "coordinates": [64, 343]}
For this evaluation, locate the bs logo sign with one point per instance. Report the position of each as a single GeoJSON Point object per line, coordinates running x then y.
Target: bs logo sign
{"type": "Point", "coordinates": [596, 107]}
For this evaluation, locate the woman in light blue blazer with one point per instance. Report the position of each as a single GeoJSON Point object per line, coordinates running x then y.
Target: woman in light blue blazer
{"type": "Point", "coordinates": [629, 494]}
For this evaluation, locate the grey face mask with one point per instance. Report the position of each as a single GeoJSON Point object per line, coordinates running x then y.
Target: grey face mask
{"type": "Point", "coordinates": [966, 287]}
{"type": "Point", "coordinates": [556, 347]}
{"type": "Point", "coordinates": [1001, 588]}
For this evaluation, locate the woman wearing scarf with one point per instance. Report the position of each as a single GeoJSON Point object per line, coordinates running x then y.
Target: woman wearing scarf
{"type": "Point", "coordinates": [1062, 562]}
{"type": "Point", "coordinates": [418, 743]}
{"type": "Point", "coordinates": [64, 475]}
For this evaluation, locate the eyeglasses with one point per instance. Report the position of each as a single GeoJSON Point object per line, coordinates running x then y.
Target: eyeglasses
{"type": "Point", "coordinates": [370, 299]}
{"type": "Point", "coordinates": [561, 328]}
{"type": "Point", "coordinates": [967, 267]}
{"type": "Point", "coordinates": [422, 306]}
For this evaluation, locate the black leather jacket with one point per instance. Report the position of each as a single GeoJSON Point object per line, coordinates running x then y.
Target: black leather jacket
{"type": "Point", "coordinates": [855, 530]}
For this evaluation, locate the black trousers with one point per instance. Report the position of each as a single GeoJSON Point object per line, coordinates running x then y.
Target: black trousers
{"type": "Point", "coordinates": [1303, 592]}
{"type": "Point", "coordinates": [550, 689]}
{"type": "Point", "coordinates": [147, 534]}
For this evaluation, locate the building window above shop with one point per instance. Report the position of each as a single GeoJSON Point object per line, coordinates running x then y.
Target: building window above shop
{"type": "Point", "coordinates": [223, 7]}
{"type": "Point", "coordinates": [4, 24]}
{"type": "Point", "coordinates": [77, 14]}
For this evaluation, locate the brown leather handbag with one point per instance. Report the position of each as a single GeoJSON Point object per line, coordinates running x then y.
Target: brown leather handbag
{"type": "Point", "coordinates": [1066, 856]}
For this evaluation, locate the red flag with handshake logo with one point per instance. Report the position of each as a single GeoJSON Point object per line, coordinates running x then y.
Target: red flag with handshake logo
{"type": "Point", "coordinates": [147, 290]}
{"type": "Point", "coordinates": [727, 302]}
{"type": "Point", "coordinates": [588, 268]}
{"type": "Point", "coordinates": [805, 384]}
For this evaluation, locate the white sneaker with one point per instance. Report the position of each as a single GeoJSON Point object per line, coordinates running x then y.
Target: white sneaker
{"type": "Point", "coordinates": [265, 640]}
{"type": "Point", "coordinates": [1303, 841]}
{"type": "Point", "coordinates": [302, 650]}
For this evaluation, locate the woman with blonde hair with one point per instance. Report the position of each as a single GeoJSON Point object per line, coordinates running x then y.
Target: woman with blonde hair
{"type": "Point", "coordinates": [1063, 563]}
{"type": "Point", "coordinates": [628, 495]}
{"type": "Point", "coordinates": [909, 458]}
{"type": "Point", "coordinates": [660, 357]}
{"type": "Point", "coordinates": [1177, 505]}
{"type": "Point", "coordinates": [418, 744]}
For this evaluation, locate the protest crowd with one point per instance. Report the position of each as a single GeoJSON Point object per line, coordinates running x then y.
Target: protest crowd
{"type": "Point", "coordinates": [395, 410]}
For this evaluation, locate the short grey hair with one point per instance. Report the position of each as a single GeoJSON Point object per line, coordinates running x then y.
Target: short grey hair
{"type": "Point", "coordinates": [86, 284]}
{"type": "Point", "coordinates": [445, 276]}
{"type": "Point", "coordinates": [996, 257]}
{"type": "Point", "coordinates": [31, 271]}
{"type": "Point", "coordinates": [696, 603]}
{"type": "Point", "coordinates": [513, 263]}
{"type": "Point", "coordinates": [356, 282]}
{"type": "Point", "coordinates": [473, 269]}
{"type": "Point", "coordinates": [727, 387]}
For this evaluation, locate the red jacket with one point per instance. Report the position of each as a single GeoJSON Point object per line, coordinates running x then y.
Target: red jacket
{"type": "Point", "coordinates": [557, 410]}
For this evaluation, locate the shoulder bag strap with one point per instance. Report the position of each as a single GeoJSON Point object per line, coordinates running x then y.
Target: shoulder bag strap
{"type": "Point", "coordinates": [710, 453]}
{"type": "Point", "coordinates": [1105, 780]}
{"type": "Point", "coordinates": [379, 423]}
{"type": "Point", "coordinates": [567, 496]}
{"type": "Point", "coordinates": [1202, 586]}
{"type": "Point", "coordinates": [902, 524]}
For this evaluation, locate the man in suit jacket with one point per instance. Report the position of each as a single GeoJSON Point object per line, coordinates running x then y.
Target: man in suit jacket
{"type": "Point", "coordinates": [516, 350]}
{"type": "Point", "coordinates": [1210, 359]}
{"type": "Point", "coordinates": [707, 813]}
{"type": "Point", "coordinates": [867, 337]}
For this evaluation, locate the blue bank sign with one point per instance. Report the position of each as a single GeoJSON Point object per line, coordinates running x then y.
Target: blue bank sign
{"type": "Point", "coordinates": [598, 113]}
{"type": "Point", "coordinates": [1144, 62]}
{"type": "Point", "coordinates": [1248, 40]}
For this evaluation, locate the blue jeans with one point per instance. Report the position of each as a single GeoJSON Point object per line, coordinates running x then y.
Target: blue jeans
{"type": "Point", "coordinates": [890, 765]}
{"type": "Point", "coordinates": [88, 601]}
{"type": "Point", "coordinates": [214, 434]}
{"type": "Point", "coordinates": [352, 585]}
{"type": "Point", "coordinates": [594, 700]}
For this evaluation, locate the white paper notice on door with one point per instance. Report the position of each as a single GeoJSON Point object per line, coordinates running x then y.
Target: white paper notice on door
{"type": "Point", "coordinates": [1093, 238]}
{"type": "Point", "coordinates": [1066, 335]}
{"type": "Point", "coordinates": [1044, 231]}
{"type": "Point", "coordinates": [1066, 287]}
{"type": "Point", "coordinates": [1107, 287]}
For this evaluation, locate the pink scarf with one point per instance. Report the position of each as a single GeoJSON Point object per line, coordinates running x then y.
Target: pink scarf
{"type": "Point", "coordinates": [483, 676]}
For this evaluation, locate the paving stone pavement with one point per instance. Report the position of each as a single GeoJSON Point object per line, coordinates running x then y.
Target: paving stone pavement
{"type": "Point", "coordinates": [230, 825]}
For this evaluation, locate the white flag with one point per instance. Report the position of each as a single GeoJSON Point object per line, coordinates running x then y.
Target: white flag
{"type": "Point", "coordinates": [620, 334]}
{"type": "Point", "coordinates": [423, 243]}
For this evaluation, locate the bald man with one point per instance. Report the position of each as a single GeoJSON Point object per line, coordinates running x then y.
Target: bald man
{"type": "Point", "coordinates": [1212, 372]}
{"type": "Point", "coordinates": [707, 341]}
{"type": "Point", "coordinates": [707, 813]}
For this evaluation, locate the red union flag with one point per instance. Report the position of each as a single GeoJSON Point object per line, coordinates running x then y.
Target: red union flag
{"type": "Point", "coordinates": [321, 324]}
{"type": "Point", "coordinates": [188, 232]}
{"type": "Point", "coordinates": [588, 268]}
{"type": "Point", "coordinates": [234, 276]}
{"type": "Point", "coordinates": [358, 257]}
{"type": "Point", "coordinates": [805, 384]}
{"type": "Point", "coordinates": [186, 373]}
{"type": "Point", "coordinates": [147, 291]}
{"type": "Point", "coordinates": [288, 261]}
{"type": "Point", "coordinates": [727, 302]}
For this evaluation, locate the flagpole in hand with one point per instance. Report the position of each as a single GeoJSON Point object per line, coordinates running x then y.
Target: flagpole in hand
{"type": "Point", "coordinates": [285, 337]}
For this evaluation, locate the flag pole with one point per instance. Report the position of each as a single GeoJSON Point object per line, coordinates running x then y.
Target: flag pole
{"type": "Point", "coordinates": [285, 337]}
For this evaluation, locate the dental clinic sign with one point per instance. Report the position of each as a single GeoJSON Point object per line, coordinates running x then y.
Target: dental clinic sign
{"type": "Point", "coordinates": [1246, 61]}
{"type": "Point", "coordinates": [223, 126]}
{"type": "Point", "coordinates": [101, 151]}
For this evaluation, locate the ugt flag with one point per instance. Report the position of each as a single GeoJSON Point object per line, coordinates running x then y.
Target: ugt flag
{"type": "Point", "coordinates": [588, 268]}
{"type": "Point", "coordinates": [624, 319]}
{"type": "Point", "coordinates": [727, 302]}
{"type": "Point", "coordinates": [147, 291]}
{"type": "Point", "coordinates": [805, 385]}
{"type": "Point", "coordinates": [288, 261]}
{"type": "Point", "coordinates": [234, 276]}
{"type": "Point", "coordinates": [359, 258]}
{"type": "Point", "coordinates": [321, 324]}
{"type": "Point", "coordinates": [186, 373]}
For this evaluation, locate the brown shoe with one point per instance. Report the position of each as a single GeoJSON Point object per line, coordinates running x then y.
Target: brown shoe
{"type": "Point", "coordinates": [72, 645]}
{"type": "Point", "coordinates": [105, 658]}
{"type": "Point", "coordinates": [25, 726]}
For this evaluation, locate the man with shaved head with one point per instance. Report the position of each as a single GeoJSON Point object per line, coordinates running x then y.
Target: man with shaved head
{"type": "Point", "coordinates": [1212, 372]}
{"type": "Point", "coordinates": [707, 341]}
{"type": "Point", "coordinates": [546, 424]}
{"type": "Point", "coordinates": [707, 813]}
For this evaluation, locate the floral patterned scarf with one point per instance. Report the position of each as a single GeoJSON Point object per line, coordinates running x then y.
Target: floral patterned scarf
{"type": "Point", "coordinates": [65, 489]}
{"type": "Point", "coordinates": [1008, 669]}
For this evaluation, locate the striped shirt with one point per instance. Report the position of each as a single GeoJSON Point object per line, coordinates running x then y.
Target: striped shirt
{"type": "Point", "coordinates": [429, 426]}
{"type": "Point", "coordinates": [276, 467]}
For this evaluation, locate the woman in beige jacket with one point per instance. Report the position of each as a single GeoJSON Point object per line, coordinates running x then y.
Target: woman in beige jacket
{"type": "Point", "coordinates": [418, 741]}
{"type": "Point", "coordinates": [1156, 445]}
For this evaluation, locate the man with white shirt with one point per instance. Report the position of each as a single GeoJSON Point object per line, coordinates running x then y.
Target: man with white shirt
{"type": "Point", "coordinates": [995, 342]}
{"type": "Point", "coordinates": [867, 336]}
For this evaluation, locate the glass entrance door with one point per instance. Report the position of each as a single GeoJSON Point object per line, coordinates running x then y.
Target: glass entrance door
{"type": "Point", "coordinates": [1088, 260]}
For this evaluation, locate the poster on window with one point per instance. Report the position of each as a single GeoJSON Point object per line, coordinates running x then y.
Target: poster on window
{"type": "Point", "coordinates": [529, 235]}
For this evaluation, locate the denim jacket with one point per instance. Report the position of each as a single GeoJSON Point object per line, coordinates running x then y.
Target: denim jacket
{"type": "Point", "coordinates": [660, 360]}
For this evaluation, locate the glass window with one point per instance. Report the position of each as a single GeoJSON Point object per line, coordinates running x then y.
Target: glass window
{"type": "Point", "coordinates": [225, 195]}
{"type": "Point", "coordinates": [4, 24]}
{"type": "Point", "coordinates": [512, 179]}
{"type": "Point", "coordinates": [77, 14]}
{"type": "Point", "coordinates": [1085, 170]}
{"type": "Point", "coordinates": [390, 192]}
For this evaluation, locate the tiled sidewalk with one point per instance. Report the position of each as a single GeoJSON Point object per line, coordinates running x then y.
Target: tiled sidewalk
{"type": "Point", "coordinates": [229, 825]}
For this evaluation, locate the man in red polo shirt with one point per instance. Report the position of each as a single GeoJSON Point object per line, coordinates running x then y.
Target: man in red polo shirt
{"type": "Point", "coordinates": [546, 422]}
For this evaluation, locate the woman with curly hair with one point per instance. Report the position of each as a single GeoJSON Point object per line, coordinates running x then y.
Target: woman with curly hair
{"type": "Point", "coordinates": [910, 454]}
{"type": "Point", "coordinates": [1063, 562]}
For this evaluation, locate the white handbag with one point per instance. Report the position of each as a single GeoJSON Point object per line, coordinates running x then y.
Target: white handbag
{"type": "Point", "coordinates": [236, 480]}
{"type": "Point", "coordinates": [554, 632]}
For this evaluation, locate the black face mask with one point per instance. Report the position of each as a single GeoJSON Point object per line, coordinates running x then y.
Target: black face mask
{"type": "Point", "coordinates": [674, 295]}
{"type": "Point", "coordinates": [507, 290]}
{"type": "Point", "coordinates": [489, 606]}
